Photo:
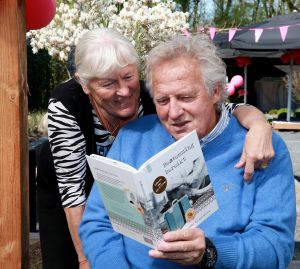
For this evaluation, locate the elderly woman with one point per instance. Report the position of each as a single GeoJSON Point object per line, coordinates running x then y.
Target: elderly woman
{"type": "Point", "coordinates": [84, 116]}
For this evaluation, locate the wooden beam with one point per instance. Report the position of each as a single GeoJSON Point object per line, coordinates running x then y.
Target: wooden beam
{"type": "Point", "coordinates": [284, 125]}
{"type": "Point", "coordinates": [14, 210]}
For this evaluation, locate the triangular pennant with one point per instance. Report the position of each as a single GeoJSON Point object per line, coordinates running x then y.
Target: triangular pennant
{"type": "Point", "coordinates": [283, 32]}
{"type": "Point", "coordinates": [257, 33]}
{"type": "Point", "coordinates": [212, 31]}
{"type": "Point", "coordinates": [231, 34]}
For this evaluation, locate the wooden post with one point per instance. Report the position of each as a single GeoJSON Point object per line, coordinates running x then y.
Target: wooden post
{"type": "Point", "coordinates": [14, 212]}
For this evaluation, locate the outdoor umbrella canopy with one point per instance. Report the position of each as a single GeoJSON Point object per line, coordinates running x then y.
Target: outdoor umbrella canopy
{"type": "Point", "coordinates": [271, 38]}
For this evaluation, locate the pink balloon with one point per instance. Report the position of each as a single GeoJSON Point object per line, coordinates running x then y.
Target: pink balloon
{"type": "Point", "coordinates": [230, 89]}
{"type": "Point", "coordinates": [237, 81]}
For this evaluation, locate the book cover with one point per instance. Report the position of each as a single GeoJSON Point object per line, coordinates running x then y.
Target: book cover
{"type": "Point", "coordinates": [170, 191]}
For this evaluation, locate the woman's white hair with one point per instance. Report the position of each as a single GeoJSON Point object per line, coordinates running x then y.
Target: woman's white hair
{"type": "Point", "coordinates": [198, 47]}
{"type": "Point", "coordinates": [101, 51]}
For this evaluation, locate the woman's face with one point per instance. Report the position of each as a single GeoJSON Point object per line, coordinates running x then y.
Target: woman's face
{"type": "Point", "coordinates": [117, 94]}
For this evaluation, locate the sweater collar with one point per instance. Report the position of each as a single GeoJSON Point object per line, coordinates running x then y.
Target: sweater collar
{"type": "Point", "coordinates": [218, 129]}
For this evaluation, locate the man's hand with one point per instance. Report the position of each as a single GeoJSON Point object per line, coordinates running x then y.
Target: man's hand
{"type": "Point", "coordinates": [257, 151]}
{"type": "Point", "coordinates": [185, 246]}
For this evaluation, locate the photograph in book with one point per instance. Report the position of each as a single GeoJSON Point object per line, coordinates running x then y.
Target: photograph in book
{"type": "Point", "coordinates": [171, 190]}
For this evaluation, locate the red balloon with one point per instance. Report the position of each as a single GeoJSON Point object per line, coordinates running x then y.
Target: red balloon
{"type": "Point", "coordinates": [285, 58]}
{"type": "Point", "coordinates": [242, 61]}
{"type": "Point", "coordinates": [39, 13]}
{"type": "Point", "coordinates": [295, 53]}
{"type": "Point", "coordinates": [297, 60]}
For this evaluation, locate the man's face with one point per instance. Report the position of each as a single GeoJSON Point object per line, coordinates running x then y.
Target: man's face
{"type": "Point", "coordinates": [181, 99]}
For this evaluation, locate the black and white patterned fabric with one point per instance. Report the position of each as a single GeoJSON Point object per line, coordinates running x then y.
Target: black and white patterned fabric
{"type": "Point", "coordinates": [68, 147]}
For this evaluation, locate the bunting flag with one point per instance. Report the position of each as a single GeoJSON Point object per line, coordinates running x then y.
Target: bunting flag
{"type": "Point", "coordinates": [257, 33]}
{"type": "Point", "coordinates": [283, 32]}
{"type": "Point", "coordinates": [212, 32]}
{"type": "Point", "coordinates": [231, 34]}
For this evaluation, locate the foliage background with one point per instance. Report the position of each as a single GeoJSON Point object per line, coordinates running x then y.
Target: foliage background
{"type": "Point", "coordinates": [45, 71]}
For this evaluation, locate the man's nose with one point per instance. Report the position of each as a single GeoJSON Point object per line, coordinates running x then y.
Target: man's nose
{"type": "Point", "coordinates": [175, 109]}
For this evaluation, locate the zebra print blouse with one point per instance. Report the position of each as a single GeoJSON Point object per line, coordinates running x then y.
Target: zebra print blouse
{"type": "Point", "coordinates": [69, 149]}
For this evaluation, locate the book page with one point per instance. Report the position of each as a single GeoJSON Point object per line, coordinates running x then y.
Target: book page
{"type": "Point", "coordinates": [121, 197]}
{"type": "Point", "coordinates": [176, 186]}
{"type": "Point", "coordinates": [126, 213]}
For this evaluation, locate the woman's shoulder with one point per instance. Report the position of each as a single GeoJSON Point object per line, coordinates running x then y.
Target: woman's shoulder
{"type": "Point", "coordinates": [68, 90]}
{"type": "Point", "coordinates": [70, 93]}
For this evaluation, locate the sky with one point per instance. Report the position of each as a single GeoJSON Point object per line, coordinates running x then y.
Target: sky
{"type": "Point", "coordinates": [209, 7]}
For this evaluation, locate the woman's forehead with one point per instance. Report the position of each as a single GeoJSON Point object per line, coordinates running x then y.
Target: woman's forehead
{"type": "Point", "coordinates": [117, 71]}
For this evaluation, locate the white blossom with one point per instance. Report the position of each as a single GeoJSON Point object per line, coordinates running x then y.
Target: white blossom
{"type": "Point", "coordinates": [145, 23]}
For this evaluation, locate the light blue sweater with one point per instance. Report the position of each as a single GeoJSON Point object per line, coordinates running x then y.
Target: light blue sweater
{"type": "Point", "coordinates": [253, 228]}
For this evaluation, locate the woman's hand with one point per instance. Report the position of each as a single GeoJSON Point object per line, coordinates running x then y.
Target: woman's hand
{"type": "Point", "coordinates": [84, 264]}
{"type": "Point", "coordinates": [185, 246]}
{"type": "Point", "coordinates": [258, 149]}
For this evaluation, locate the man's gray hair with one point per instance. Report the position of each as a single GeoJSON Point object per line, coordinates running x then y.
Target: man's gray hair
{"type": "Point", "coordinates": [101, 51]}
{"type": "Point", "coordinates": [198, 47]}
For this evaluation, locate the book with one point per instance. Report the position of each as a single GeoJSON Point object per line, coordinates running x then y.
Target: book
{"type": "Point", "coordinates": [171, 190]}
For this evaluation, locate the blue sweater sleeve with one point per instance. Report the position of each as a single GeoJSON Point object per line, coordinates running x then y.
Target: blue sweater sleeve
{"type": "Point", "coordinates": [267, 241]}
{"type": "Point", "coordinates": [102, 246]}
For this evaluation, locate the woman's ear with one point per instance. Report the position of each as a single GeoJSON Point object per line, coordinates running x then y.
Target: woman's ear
{"type": "Point", "coordinates": [85, 89]}
{"type": "Point", "coordinates": [83, 86]}
{"type": "Point", "coordinates": [77, 77]}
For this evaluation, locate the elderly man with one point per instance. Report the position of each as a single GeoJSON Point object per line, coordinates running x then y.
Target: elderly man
{"type": "Point", "coordinates": [254, 225]}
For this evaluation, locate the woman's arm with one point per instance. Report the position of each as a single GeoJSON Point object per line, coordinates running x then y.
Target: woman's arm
{"type": "Point", "coordinates": [258, 149]}
{"type": "Point", "coordinates": [68, 150]}
{"type": "Point", "coordinates": [74, 216]}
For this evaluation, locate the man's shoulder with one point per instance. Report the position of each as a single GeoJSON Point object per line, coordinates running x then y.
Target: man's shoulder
{"type": "Point", "coordinates": [145, 123]}
{"type": "Point", "coordinates": [279, 144]}
{"type": "Point", "coordinates": [237, 130]}
{"type": "Point", "coordinates": [146, 129]}
{"type": "Point", "coordinates": [234, 130]}
{"type": "Point", "coordinates": [140, 140]}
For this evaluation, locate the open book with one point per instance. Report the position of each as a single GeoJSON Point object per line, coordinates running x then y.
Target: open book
{"type": "Point", "coordinates": [170, 191]}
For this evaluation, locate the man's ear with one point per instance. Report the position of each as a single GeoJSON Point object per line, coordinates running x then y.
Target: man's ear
{"type": "Point", "coordinates": [217, 93]}
{"type": "Point", "coordinates": [83, 86]}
